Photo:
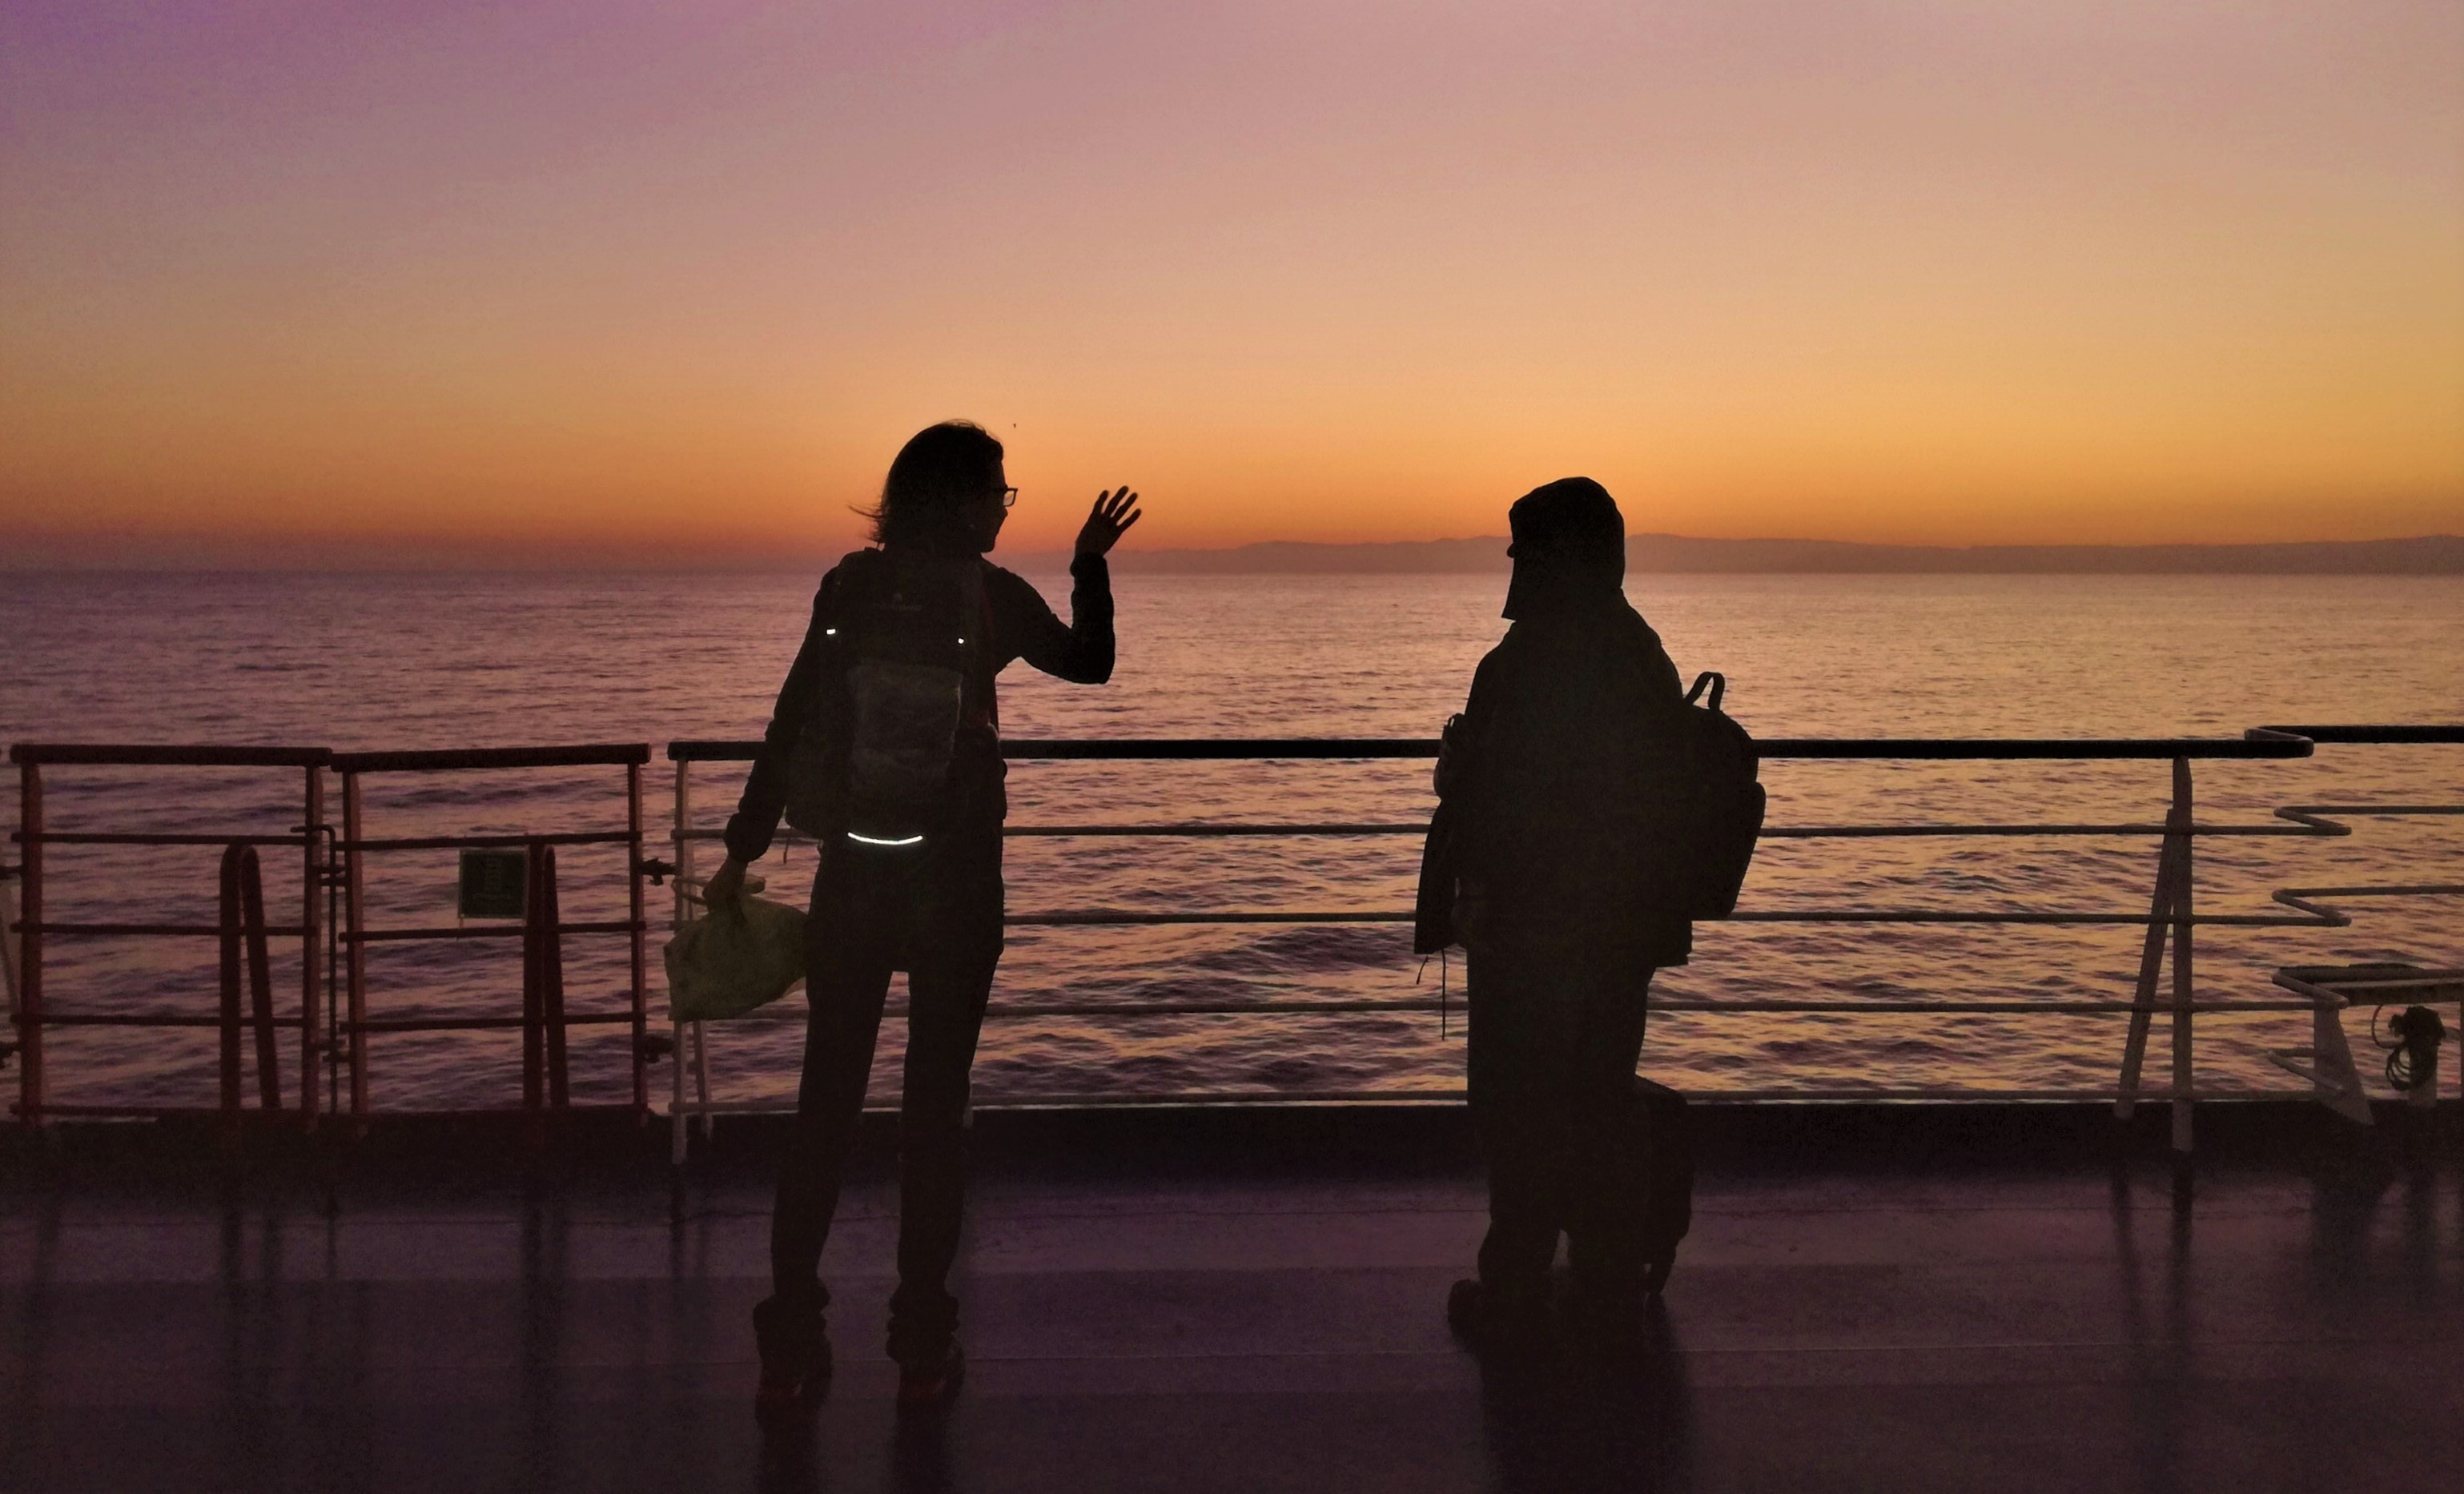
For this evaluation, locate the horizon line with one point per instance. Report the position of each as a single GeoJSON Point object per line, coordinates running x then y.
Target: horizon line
{"type": "Point", "coordinates": [2436, 553]}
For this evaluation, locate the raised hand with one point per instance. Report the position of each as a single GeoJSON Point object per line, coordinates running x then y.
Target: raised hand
{"type": "Point", "coordinates": [1108, 522]}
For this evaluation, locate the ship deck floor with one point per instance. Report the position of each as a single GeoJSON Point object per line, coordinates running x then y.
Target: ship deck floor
{"type": "Point", "coordinates": [1868, 1301]}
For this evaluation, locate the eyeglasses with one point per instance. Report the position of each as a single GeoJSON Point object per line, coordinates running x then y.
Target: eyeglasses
{"type": "Point", "coordinates": [1009, 498]}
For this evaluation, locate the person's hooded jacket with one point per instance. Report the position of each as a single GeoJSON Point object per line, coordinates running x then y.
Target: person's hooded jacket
{"type": "Point", "coordinates": [1564, 750]}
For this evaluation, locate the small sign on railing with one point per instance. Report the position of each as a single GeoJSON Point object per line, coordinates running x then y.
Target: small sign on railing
{"type": "Point", "coordinates": [495, 884]}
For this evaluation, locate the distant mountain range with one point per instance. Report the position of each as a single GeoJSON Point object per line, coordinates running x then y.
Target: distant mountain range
{"type": "Point", "coordinates": [2428, 554]}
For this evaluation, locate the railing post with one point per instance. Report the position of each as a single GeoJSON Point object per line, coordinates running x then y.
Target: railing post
{"type": "Point", "coordinates": [8, 955]}
{"type": "Point", "coordinates": [684, 861]}
{"type": "Point", "coordinates": [312, 949]}
{"type": "Point", "coordinates": [640, 916]}
{"type": "Point", "coordinates": [2151, 965]}
{"type": "Point", "coordinates": [355, 950]}
{"type": "Point", "coordinates": [260, 982]}
{"type": "Point", "coordinates": [552, 981]}
{"type": "Point", "coordinates": [534, 983]}
{"type": "Point", "coordinates": [2178, 823]}
{"type": "Point", "coordinates": [228, 1058]}
{"type": "Point", "coordinates": [30, 947]}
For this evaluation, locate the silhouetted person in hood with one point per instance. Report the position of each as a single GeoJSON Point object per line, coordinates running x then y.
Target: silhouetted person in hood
{"type": "Point", "coordinates": [1564, 909]}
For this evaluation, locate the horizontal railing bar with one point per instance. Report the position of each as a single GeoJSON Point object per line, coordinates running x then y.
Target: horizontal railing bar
{"type": "Point", "coordinates": [1203, 749]}
{"type": "Point", "coordinates": [493, 1023]}
{"type": "Point", "coordinates": [1202, 830]}
{"type": "Point", "coordinates": [1125, 918]}
{"type": "Point", "coordinates": [2426, 980]}
{"type": "Point", "coordinates": [550, 1114]}
{"type": "Point", "coordinates": [1198, 1098]}
{"type": "Point", "coordinates": [1777, 832]}
{"type": "Point", "coordinates": [276, 930]}
{"type": "Point", "coordinates": [2021, 749]}
{"type": "Point", "coordinates": [131, 754]}
{"type": "Point", "coordinates": [151, 1111]}
{"type": "Point", "coordinates": [1676, 1006]}
{"type": "Point", "coordinates": [478, 842]}
{"type": "Point", "coordinates": [1093, 918]}
{"type": "Point", "coordinates": [213, 1112]}
{"type": "Point", "coordinates": [512, 930]}
{"type": "Point", "coordinates": [1781, 832]}
{"type": "Point", "coordinates": [51, 1018]}
{"type": "Point", "coordinates": [1307, 748]}
{"type": "Point", "coordinates": [135, 838]}
{"type": "Point", "coordinates": [2383, 735]}
{"type": "Point", "coordinates": [2314, 818]}
{"type": "Point", "coordinates": [584, 756]}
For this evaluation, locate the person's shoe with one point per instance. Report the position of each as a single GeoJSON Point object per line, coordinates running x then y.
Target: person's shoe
{"type": "Point", "coordinates": [1488, 1321]}
{"type": "Point", "coordinates": [930, 1382]}
{"type": "Point", "coordinates": [1463, 1312]}
{"type": "Point", "coordinates": [795, 1348]}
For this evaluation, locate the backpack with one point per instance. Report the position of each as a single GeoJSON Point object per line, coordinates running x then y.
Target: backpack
{"type": "Point", "coordinates": [1725, 816]}
{"type": "Point", "coordinates": [901, 634]}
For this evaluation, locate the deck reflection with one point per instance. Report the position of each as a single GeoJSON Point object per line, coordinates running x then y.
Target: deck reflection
{"type": "Point", "coordinates": [1918, 1305]}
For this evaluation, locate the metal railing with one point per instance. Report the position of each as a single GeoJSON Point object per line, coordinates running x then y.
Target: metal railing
{"type": "Point", "coordinates": [2328, 1062]}
{"type": "Point", "coordinates": [543, 1021]}
{"type": "Point", "coordinates": [334, 867]}
{"type": "Point", "coordinates": [32, 1013]}
{"type": "Point", "coordinates": [2170, 917]}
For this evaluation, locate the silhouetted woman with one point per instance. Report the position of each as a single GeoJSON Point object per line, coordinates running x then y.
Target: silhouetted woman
{"type": "Point", "coordinates": [884, 744]}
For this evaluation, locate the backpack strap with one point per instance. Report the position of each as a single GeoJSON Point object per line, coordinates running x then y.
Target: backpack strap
{"type": "Point", "coordinates": [1719, 687]}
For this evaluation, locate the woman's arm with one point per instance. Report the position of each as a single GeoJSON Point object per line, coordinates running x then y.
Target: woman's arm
{"type": "Point", "coordinates": [756, 820]}
{"type": "Point", "coordinates": [1079, 650]}
{"type": "Point", "coordinates": [1082, 651]}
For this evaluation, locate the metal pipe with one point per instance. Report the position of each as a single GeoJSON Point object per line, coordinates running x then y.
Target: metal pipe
{"type": "Point", "coordinates": [2185, 883]}
{"type": "Point", "coordinates": [486, 932]}
{"type": "Point", "coordinates": [640, 920]}
{"type": "Point", "coordinates": [1455, 1096]}
{"type": "Point", "coordinates": [588, 755]}
{"type": "Point", "coordinates": [312, 944]}
{"type": "Point", "coordinates": [227, 1052]}
{"type": "Point", "coordinates": [29, 943]}
{"type": "Point", "coordinates": [1125, 917]}
{"type": "Point", "coordinates": [2255, 745]}
{"type": "Point", "coordinates": [355, 954]}
{"type": "Point", "coordinates": [478, 842]}
{"type": "Point", "coordinates": [683, 854]}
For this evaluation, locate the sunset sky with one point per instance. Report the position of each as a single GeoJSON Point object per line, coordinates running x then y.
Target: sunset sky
{"type": "Point", "coordinates": [671, 282]}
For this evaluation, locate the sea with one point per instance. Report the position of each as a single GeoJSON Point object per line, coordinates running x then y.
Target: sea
{"type": "Point", "coordinates": [383, 660]}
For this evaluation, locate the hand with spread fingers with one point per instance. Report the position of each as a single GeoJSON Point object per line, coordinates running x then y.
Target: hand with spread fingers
{"type": "Point", "coordinates": [1108, 522]}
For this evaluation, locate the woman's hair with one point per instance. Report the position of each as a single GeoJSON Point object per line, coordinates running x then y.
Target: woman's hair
{"type": "Point", "coordinates": [940, 468]}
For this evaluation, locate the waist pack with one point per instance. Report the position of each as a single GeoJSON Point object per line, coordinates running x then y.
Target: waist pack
{"type": "Point", "coordinates": [901, 636]}
{"type": "Point", "coordinates": [1724, 815]}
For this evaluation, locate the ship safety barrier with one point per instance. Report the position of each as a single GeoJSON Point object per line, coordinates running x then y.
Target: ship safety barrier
{"type": "Point", "coordinates": [2171, 919]}
{"type": "Point", "coordinates": [543, 1019]}
{"type": "Point", "coordinates": [240, 930]}
{"type": "Point", "coordinates": [334, 933]}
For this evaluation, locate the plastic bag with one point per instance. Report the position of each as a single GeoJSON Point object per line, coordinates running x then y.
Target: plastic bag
{"type": "Point", "coordinates": [744, 954]}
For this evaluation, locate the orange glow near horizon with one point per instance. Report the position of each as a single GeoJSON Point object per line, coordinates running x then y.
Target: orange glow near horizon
{"type": "Point", "coordinates": [638, 282]}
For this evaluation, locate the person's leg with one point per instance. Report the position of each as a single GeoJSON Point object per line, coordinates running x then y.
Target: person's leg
{"type": "Point", "coordinates": [1610, 1182]}
{"type": "Point", "coordinates": [958, 947]}
{"type": "Point", "coordinates": [847, 978]}
{"type": "Point", "coordinates": [1518, 1111]}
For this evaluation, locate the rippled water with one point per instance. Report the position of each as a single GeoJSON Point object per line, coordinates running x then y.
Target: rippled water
{"type": "Point", "coordinates": [402, 661]}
